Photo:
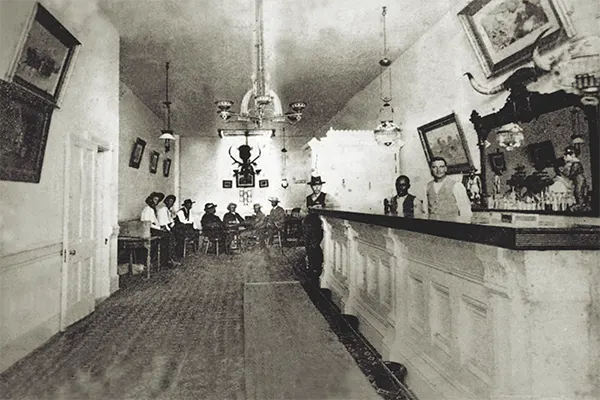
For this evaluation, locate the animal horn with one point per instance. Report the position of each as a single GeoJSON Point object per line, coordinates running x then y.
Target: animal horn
{"type": "Point", "coordinates": [233, 158]}
{"type": "Point", "coordinates": [537, 58]}
{"type": "Point", "coordinates": [259, 153]}
{"type": "Point", "coordinates": [483, 90]}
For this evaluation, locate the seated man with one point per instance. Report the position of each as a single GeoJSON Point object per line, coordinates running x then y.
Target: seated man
{"type": "Point", "coordinates": [185, 228]}
{"type": "Point", "coordinates": [164, 215]}
{"type": "Point", "coordinates": [231, 217]}
{"type": "Point", "coordinates": [276, 219]}
{"type": "Point", "coordinates": [212, 226]}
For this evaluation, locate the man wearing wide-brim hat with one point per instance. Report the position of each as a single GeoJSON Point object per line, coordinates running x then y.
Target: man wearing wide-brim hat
{"type": "Point", "coordinates": [149, 212]}
{"type": "Point", "coordinates": [276, 218]}
{"type": "Point", "coordinates": [212, 226]}
{"type": "Point", "coordinates": [313, 228]}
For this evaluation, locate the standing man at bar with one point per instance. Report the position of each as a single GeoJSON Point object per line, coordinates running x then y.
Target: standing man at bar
{"type": "Point", "coordinates": [409, 204]}
{"type": "Point", "coordinates": [313, 228]}
{"type": "Point", "coordinates": [446, 199]}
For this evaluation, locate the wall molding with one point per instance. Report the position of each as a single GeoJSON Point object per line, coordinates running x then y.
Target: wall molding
{"type": "Point", "coordinates": [41, 252]}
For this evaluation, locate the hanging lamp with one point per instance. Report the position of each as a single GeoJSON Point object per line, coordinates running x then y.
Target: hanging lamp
{"type": "Point", "coordinates": [387, 132]}
{"type": "Point", "coordinates": [167, 134]}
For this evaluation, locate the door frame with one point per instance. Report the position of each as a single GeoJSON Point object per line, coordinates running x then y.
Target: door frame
{"type": "Point", "coordinates": [100, 214]}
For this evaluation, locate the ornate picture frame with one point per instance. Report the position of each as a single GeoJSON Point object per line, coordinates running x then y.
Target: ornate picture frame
{"type": "Point", "coordinates": [45, 56]}
{"type": "Point", "coordinates": [502, 32]}
{"type": "Point", "coordinates": [244, 180]}
{"type": "Point", "coordinates": [24, 125]}
{"type": "Point", "coordinates": [263, 183]}
{"type": "Point", "coordinates": [445, 138]}
{"type": "Point", "coordinates": [154, 157]}
{"type": "Point", "coordinates": [137, 152]}
{"type": "Point", "coordinates": [166, 167]}
{"type": "Point", "coordinates": [497, 162]}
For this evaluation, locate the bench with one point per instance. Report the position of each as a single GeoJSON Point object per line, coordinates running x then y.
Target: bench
{"type": "Point", "coordinates": [135, 234]}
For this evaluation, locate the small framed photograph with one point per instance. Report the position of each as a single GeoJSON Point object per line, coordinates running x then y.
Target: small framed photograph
{"type": "Point", "coordinates": [263, 183]}
{"type": "Point", "coordinates": [244, 180]}
{"type": "Point", "coordinates": [444, 138]}
{"type": "Point", "coordinates": [166, 167]}
{"type": "Point", "coordinates": [44, 60]}
{"type": "Point", "coordinates": [154, 156]}
{"type": "Point", "coordinates": [227, 184]}
{"type": "Point", "coordinates": [497, 162]}
{"type": "Point", "coordinates": [137, 152]}
{"type": "Point", "coordinates": [502, 32]}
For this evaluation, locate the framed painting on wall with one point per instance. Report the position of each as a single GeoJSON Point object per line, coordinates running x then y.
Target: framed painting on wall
{"type": "Point", "coordinates": [137, 152]}
{"type": "Point", "coordinates": [444, 138]}
{"type": "Point", "coordinates": [263, 183]}
{"type": "Point", "coordinates": [502, 32]}
{"type": "Point", "coordinates": [227, 184]}
{"type": "Point", "coordinates": [166, 167]}
{"type": "Point", "coordinates": [24, 124]}
{"type": "Point", "coordinates": [154, 156]}
{"type": "Point", "coordinates": [244, 180]}
{"type": "Point", "coordinates": [43, 61]}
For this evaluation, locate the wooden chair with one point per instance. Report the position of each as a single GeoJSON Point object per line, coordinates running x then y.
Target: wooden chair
{"type": "Point", "coordinates": [213, 238]}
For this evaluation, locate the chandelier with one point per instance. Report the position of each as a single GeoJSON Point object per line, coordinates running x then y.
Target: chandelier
{"type": "Point", "coordinates": [387, 133]}
{"type": "Point", "coordinates": [510, 136]}
{"type": "Point", "coordinates": [260, 104]}
{"type": "Point", "coordinates": [167, 133]}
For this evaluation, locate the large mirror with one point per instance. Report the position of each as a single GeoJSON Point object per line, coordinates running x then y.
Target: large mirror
{"type": "Point", "coordinates": [539, 153]}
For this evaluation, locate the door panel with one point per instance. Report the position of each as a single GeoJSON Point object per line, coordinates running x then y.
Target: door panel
{"type": "Point", "coordinates": [78, 277]}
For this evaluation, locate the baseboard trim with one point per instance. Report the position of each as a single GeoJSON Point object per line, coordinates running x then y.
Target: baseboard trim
{"type": "Point", "coordinates": [28, 342]}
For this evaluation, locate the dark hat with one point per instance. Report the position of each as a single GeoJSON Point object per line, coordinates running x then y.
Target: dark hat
{"type": "Point", "coordinates": [187, 201]}
{"type": "Point", "coordinates": [208, 206]}
{"type": "Point", "coordinates": [156, 194]}
{"type": "Point", "coordinates": [315, 180]}
{"type": "Point", "coordinates": [170, 197]}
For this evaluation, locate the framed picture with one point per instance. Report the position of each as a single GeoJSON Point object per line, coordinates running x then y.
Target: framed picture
{"type": "Point", "coordinates": [502, 32]}
{"type": "Point", "coordinates": [166, 167]}
{"type": "Point", "coordinates": [137, 152]}
{"type": "Point", "coordinates": [542, 154]}
{"type": "Point", "coordinates": [44, 60]}
{"type": "Point", "coordinates": [497, 162]}
{"type": "Point", "coordinates": [263, 183]}
{"type": "Point", "coordinates": [244, 180]}
{"type": "Point", "coordinates": [24, 123]}
{"type": "Point", "coordinates": [227, 184]}
{"type": "Point", "coordinates": [444, 138]}
{"type": "Point", "coordinates": [154, 156]}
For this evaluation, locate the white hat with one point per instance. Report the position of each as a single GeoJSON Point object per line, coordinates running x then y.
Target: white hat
{"type": "Point", "coordinates": [274, 198]}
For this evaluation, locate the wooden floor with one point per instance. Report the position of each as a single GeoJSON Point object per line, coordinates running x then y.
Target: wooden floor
{"type": "Point", "coordinates": [213, 328]}
{"type": "Point", "coordinates": [290, 351]}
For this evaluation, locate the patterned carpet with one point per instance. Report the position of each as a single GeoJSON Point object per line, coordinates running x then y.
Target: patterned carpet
{"type": "Point", "coordinates": [178, 335]}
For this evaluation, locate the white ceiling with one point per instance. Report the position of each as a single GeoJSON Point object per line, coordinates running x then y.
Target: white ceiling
{"type": "Point", "coordinates": [319, 51]}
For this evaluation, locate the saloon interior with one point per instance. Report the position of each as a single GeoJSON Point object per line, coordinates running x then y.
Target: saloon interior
{"type": "Point", "coordinates": [104, 102]}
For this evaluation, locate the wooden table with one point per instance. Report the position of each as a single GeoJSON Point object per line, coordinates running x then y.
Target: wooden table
{"type": "Point", "coordinates": [132, 243]}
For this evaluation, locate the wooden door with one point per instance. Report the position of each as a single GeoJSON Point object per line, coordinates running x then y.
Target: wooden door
{"type": "Point", "coordinates": [79, 259]}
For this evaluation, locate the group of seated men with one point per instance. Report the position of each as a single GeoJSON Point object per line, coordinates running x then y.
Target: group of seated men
{"type": "Point", "coordinates": [174, 224]}
{"type": "Point", "coordinates": [260, 225]}
{"type": "Point", "coordinates": [171, 224]}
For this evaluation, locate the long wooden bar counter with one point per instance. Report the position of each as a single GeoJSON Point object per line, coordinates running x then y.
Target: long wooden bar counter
{"type": "Point", "coordinates": [474, 310]}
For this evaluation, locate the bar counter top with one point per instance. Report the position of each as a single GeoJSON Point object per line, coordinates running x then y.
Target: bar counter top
{"type": "Point", "coordinates": [511, 231]}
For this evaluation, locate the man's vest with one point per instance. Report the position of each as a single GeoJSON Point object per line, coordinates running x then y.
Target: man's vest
{"type": "Point", "coordinates": [408, 206]}
{"type": "Point", "coordinates": [443, 203]}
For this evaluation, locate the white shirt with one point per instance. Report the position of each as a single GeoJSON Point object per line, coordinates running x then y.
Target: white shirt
{"type": "Point", "coordinates": [184, 220]}
{"type": "Point", "coordinates": [163, 214]}
{"type": "Point", "coordinates": [460, 195]}
{"type": "Point", "coordinates": [148, 214]}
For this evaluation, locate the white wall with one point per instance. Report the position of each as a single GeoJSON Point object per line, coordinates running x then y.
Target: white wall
{"type": "Point", "coordinates": [31, 215]}
{"type": "Point", "coordinates": [428, 83]}
{"type": "Point", "coordinates": [135, 184]}
{"type": "Point", "coordinates": [205, 163]}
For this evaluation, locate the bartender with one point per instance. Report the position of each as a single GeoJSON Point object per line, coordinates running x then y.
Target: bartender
{"type": "Point", "coordinates": [446, 198]}
{"type": "Point", "coordinates": [409, 204]}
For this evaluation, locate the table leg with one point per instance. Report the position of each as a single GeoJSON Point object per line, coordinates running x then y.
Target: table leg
{"type": "Point", "coordinates": [148, 246]}
{"type": "Point", "coordinates": [159, 260]}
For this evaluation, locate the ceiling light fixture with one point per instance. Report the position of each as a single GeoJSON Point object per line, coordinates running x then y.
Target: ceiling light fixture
{"type": "Point", "coordinates": [260, 104]}
{"type": "Point", "coordinates": [510, 136]}
{"type": "Point", "coordinates": [167, 134]}
{"type": "Point", "coordinates": [387, 133]}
